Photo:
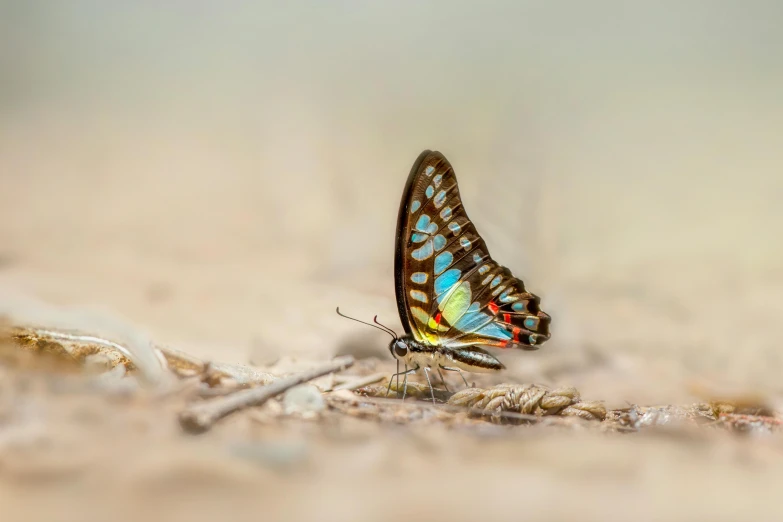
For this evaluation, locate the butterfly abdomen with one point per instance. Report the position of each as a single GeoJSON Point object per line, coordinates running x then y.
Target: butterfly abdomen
{"type": "Point", "coordinates": [474, 359]}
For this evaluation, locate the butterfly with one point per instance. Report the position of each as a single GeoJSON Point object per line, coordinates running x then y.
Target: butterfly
{"type": "Point", "coordinates": [452, 297]}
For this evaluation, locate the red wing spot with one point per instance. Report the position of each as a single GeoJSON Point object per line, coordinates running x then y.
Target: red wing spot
{"type": "Point", "coordinates": [515, 333]}
{"type": "Point", "coordinates": [438, 318]}
{"type": "Point", "coordinates": [493, 307]}
{"type": "Point", "coordinates": [507, 318]}
{"type": "Point", "coordinates": [503, 344]}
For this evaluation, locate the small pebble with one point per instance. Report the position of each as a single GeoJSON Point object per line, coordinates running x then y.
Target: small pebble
{"type": "Point", "coordinates": [305, 400]}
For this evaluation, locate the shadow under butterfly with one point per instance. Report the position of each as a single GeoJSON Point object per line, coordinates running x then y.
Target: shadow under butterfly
{"type": "Point", "coordinates": [452, 297]}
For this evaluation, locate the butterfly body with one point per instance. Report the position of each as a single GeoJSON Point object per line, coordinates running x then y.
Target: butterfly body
{"type": "Point", "coordinates": [417, 355]}
{"type": "Point", "coordinates": [452, 297]}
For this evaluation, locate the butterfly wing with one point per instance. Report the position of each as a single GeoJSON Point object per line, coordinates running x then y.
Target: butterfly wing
{"type": "Point", "coordinates": [450, 292]}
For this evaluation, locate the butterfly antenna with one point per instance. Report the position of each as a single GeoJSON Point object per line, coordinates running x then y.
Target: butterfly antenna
{"type": "Point", "coordinates": [375, 320]}
{"type": "Point", "coordinates": [368, 324]}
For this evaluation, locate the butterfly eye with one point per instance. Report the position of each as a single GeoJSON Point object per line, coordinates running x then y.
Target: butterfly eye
{"type": "Point", "coordinates": [400, 349]}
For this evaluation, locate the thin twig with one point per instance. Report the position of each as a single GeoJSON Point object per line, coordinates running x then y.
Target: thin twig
{"type": "Point", "coordinates": [83, 339]}
{"type": "Point", "coordinates": [201, 417]}
{"type": "Point", "coordinates": [141, 354]}
{"type": "Point", "coordinates": [361, 381]}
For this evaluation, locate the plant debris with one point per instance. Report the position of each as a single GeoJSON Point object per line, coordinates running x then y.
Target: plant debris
{"type": "Point", "coordinates": [218, 389]}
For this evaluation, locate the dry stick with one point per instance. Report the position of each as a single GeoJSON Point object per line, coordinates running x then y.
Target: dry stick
{"type": "Point", "coordinates": [137, 352]}
{"type": "Point", "coordinates": [200, 417]}
{"type": "Point", "coordinates": [361, 381]}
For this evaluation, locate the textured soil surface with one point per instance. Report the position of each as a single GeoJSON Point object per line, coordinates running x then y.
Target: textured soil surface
{"type": "Point", "coordinates": [220, 186]}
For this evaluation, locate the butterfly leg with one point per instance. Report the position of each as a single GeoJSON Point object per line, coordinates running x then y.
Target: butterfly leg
{"type": "Point", "coordinates": [398, 380]}
{"type": "Point", "coordinates": [392, 379]}
{"type": "Point", "coordinates": [460, 374]}
{"type": "Point", "coordinates": [432, 391]}
{"type": "Point", "coordinates": [440, 374]}
{"type": "Point", "coordinates": [405, 383]}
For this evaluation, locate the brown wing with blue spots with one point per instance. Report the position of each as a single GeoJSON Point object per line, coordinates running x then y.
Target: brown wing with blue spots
{"type": "Point", "coordinates": [449, 290]}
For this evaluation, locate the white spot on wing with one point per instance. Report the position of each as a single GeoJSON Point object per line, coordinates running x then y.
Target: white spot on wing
{"type": "Point", "coordinates": [418, 295]}
{"type": "Point", "coordinates": [419, 277]}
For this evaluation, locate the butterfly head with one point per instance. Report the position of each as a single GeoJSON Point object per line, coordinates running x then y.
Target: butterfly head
{"type": "Point", "coordinates": [400, 348]}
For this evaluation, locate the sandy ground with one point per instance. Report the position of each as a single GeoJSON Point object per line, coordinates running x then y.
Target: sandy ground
{"type": "Point", "coordinates": [220, 179]}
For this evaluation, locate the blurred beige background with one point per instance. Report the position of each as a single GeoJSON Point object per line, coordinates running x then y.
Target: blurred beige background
{"type": "Point", "coordinates": [221, 175]}
{"type": "Point", "coordinates": [224, 174]}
